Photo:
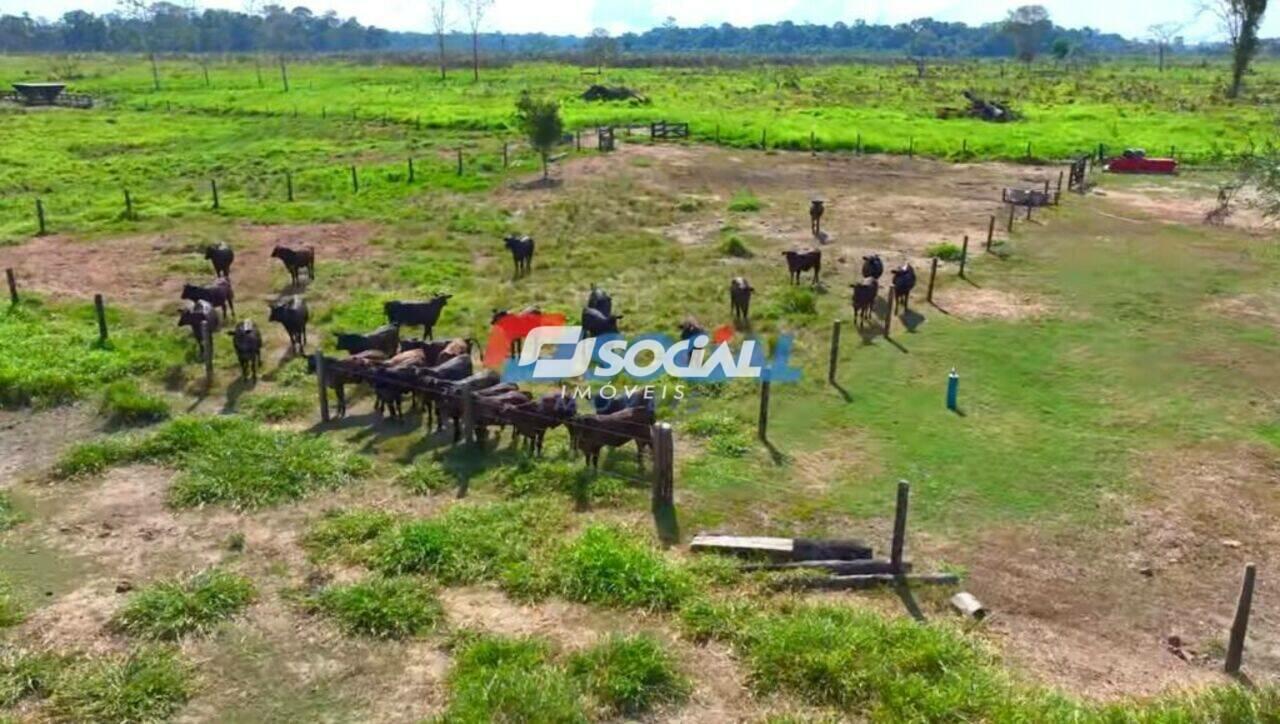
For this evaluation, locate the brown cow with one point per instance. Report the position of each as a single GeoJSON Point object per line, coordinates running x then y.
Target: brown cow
{"type": "Point", "coordinates": [591, 433]}
{"type": "Point", "coordinates": [802, 261]}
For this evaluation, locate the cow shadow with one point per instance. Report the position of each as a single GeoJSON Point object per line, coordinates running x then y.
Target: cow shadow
{"type": "Point", "coordinates": [743, 325]}
{"type": "Point", "coordinates": [911, 319]}
{"type": "Point", "coordinates": [234, 392]}
{"type": "Point", "coordinates": [666, 523]}
{"type": "Point", "coordinates": [822, 237]}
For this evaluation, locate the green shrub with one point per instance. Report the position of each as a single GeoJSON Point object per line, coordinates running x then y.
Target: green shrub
{"type": "Point", "coordinates": [533, 477]}
{"type": "Point", "coordinates": [125, 403]}
{"type": "Point", "coordinates": [25, 674]}
{"type": "Point", "coordinates": [468, 543]}
{"type": "Point", "coordinates": [607, 566]}
{"type": "Point", "coordinates": [425, 478]}
{"type": "Point", "coordinates": [9, 515]}
{"type": "Point", "coordinates": [224, 460]}
{"type": "Point", "coordinates": [733, 245]}
{"type": "Point", "coordinates": [169, 610]}
{"type": "Point", "coordinates": [497, 679]}
{"type": "Point", "coordinates": [346, 535]}
{"type": "Point", "coordinates": [274, 407]}
{"type": "Point", "coordinates": [145, 685]}
{"type": "Point", "coordinates": [703, 620]}
{"type": "Point", "coordinates": [630, 675]}
{"type": "Point", "coordinates": [744, 201]}
{"type": "Point", "coordinates": [862, 662]}
{"type": "Point", "coordinates": [390, 608]}
{"type": "Point", "coordinates": [796, 301]}
{"type": "Point", "coordinates": [51, 355]}
{"type": "Point", "coordinates": [945, 251]}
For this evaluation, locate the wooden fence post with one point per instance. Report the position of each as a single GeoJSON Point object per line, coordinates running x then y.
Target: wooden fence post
{"type": "Point", "coordinates": [911, 147]}
{"type": "Point", "coordinates": [899, 526]}
{"type": "Point", "coordinates": [459, 161]}
{"type": "Point", "coordinates": [835, 352]}
{"type": "Point", "coordinates": [964, 255]}
{"type": "Point", "coordinates": [99, 308]}
{"type": "Point", "coordinates": [577, 140]}
{"type": "Point", "coordinates": [128, 205]}
{"type": "Point", "coordinates": [991, 231]}
{"type": "Point", "coordinates": [1240, 625]}
{"type": "Point", "coordinates": [813, 143]}
{"type": "Point", "coordinates": [858, 147]}
{"type": "Point", "coordinates": [764, 139]}
{"type": "Point", "coordinates": [322, 389]}
{"type": "Point", "coordinates": [411, 170]}
{"type": "Point", "coordinates": [207, 335]}
{"type": "Point", "coordinates": [288, 183]}
{"type": "Point", "coordinates": [964, 147]}
{"type": "Point", "coordinates": [40, 217]}
{"type": "Point", "coordinates": [1029, 211]}
{"type": "Point", "coordinates": [13, 286]}
{"type": "Point", "coordinates": [1059, 191]}
{"type": "Point", "coordinates": [1011, 209]}
{"type": "Point", "coordinates": [664, 465]}
{"type": "Point", "coordinates": [1028, 150]}
{"type": "Point", "coordinates": [933, 272]}
{"type": "Point", "coordinates": [284, 75]}
{"type": "Point", "coordinates": [505, 162]}
{"type": "Point", "coordinates": [355, 181]}
{"type": "Point", "coordinates": [213, 185]}
{"type": "Point", "coordinates": [762, 427]}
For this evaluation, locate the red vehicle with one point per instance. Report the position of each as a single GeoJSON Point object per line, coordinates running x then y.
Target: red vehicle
{"type": "Point", "coordinates": [1137, 162]}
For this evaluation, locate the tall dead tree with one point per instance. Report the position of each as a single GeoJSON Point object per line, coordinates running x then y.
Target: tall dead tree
{"type": "Point", "coordinates": [1164, 35]}
{"type": "Point", "coordinates": [440, 23]}
{"type": "Point", "coordinates": [1240, 20]}
{"type": "Point", "coordinates": [475, 11]}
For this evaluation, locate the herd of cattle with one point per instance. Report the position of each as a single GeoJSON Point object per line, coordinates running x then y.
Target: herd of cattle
{"type": "Point", "coordinates": [439, 376]}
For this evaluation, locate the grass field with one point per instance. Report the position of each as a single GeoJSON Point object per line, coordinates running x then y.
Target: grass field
{"type": "Point", "coordinates": [1112, 466]}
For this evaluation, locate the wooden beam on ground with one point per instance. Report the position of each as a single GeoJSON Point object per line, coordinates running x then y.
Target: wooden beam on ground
{"type": "Point", "coordinates": [863, 567]}
{"type": "Point", "coordinates": [875, 580]}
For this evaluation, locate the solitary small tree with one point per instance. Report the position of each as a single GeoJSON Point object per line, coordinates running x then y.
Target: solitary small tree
{"type": "Point", "coordinates": [540, 121]}
{"type": "Point", "coordinates": [1240, 20]}
{"type": "Point", "coordinates": [440, 22]}
{"type": "Point", "coordinates": [475, 11]}
{"type": "Point", "coordinates": [1164, 34]}
{"type": "Point", "coordinates": [600, 48]}
{"type": "Point", "coordinates": [1027, 26]}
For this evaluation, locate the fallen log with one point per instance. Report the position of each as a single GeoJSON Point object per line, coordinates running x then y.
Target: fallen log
{"type": "Point", "coordinates": [874, 580]}
{"type": "Point", "coordinates": [793, 549]}
{"type": "Point", "coordinates": [837, 567]}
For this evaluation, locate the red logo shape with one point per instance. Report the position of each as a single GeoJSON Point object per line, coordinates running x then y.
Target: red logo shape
{"type": "Point", "coordinates": [512, 327]}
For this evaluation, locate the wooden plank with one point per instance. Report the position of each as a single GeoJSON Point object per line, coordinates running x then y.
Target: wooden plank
{"type": "Point", "coordinates": [875, 580]}
{"type": "Point", "coordinates": [742, 544]}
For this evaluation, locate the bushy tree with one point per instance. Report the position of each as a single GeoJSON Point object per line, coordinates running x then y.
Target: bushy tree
{"type": "Point", "coordinates": [1027, 27]}
{"type": "Point", "coordinates": [1240, 20]}
{"type": "Point", "coordinates": [539, 119]}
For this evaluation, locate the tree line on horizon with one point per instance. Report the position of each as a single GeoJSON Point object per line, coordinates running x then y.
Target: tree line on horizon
{"type": "Point", "coordinates": [167, 27]}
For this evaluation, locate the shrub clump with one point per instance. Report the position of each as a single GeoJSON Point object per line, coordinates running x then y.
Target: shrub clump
{"type": "Point", "coordinates": [609, 567]}
{"type": "Point", "coordinates": [745, 201]}
{"type": "Point", "coordinates": [125, 403]}
{"type": "Point", "coordinates": [733, 245]}
{"type": "Point", "coordinates": [347, 536]}
{"type": "Point", "coordinates": [945, 251]}
{"type": "Point", "coordinates": [630, 675]}
{"type": "Point", "coordinates": [224, 460]}
{"type": "Point", "coordinates": [797, 301]}
{"type": "Point", "coordinates": [274, 407]}
{"type": "Point", "coordinates": [468, 543]}
{"type": "Point", "coordinates": [26, 675]}
{"type": "Point", "coordinates": [496, 679]}
{"type": "Point", "coordinates": [388, 608]}
{"type": "Point", "coordinates": [148, 684]}
{"type": "Point", "coordinates": [169, 610]}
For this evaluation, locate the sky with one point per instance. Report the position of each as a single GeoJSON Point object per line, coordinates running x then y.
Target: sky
{"type": "Point", "coordinates": [1127, 17]}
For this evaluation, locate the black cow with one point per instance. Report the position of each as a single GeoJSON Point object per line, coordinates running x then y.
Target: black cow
{"type": "Point", "coordinates": [591, 433]}
{"type": "Point", "coordinates": [740, 297]}
{"type": "Point", "coordinates": [247, 341]}
{"type": "Point", "coordinates": [417, 313]}
{"type": "Point", "coordinates": [385, 338]}
{"type": "Point", "coordinates": [338, 373]}
{"type": "Point", "coordinates": [799, 262]}
{"type": "Point", "coordinates": [599, 300]}
{"type": "Point", "coordinates": [864, 299]}
{"type": "Point", "coordinates": [904, 280]}
{"type": "Point", "coordinates": [291, 313]}
{"type": "Point", "coordinates": [521, 253]}
{"type": "Point", "coordinates": [634, 397]}
{"type": "Point", "coordinates": [221, 256]}
{"type": "Point", "coordinates": [816, 208]}
{"type": "Point", "coordinates": [295, 260]}
{"type": "Point", "coordinates": [872, 267]}
{"type": "Point", "coordinates": [219, 294]}
{"type": "Point", "coordinates": [532, 421]}
{"type": "Point", "coordinates": [690, 328]}
{"type": "Point", "coordinates": [596, 323]}
{"type": "Point", "coordinates": [201, 315]}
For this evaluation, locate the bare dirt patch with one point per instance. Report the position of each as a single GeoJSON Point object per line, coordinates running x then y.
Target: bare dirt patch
{"type": "Point", "coordinates": [965, 302]}
{"type": "Point", "coordinates": [1143, 608]}
{"type": "Point", "coordinates": [1182, 204]}
{"type": "Point", "coordinates": [149, 270]}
